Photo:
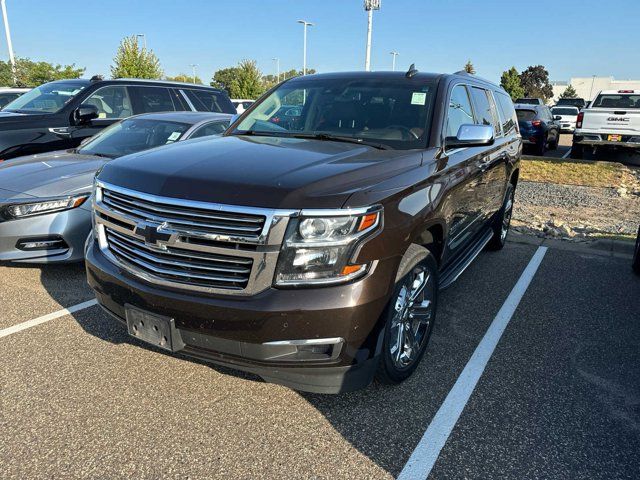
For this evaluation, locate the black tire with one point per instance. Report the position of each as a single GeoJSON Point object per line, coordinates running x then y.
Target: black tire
{"type": "Point", "coordinates": [502, 221]}
{"type": "Point", "coordinates": [391, 369]}
{"type": "Point", "coordinates": [542, 148]}
{"type": "Point", "coordinates": [636, 255]}
{"type": "Point", "coordinates": [554, 145]}
{"type": "Point", "coordinates": [577, 151]}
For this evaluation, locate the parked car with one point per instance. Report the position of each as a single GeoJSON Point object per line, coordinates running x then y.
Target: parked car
{"type": "Point", "coordinates": [538, 127]}
{"type": "Point", "coordinates": [59, 115]}
{"type": "Point", "coordinates": [241, 104]}
{"type": "Point", "coordinates": [579, 103]}
{"type": "Point", "coordinates": [310, 256]}
{"type": "Point", "coordinates": [530, 101]}
{"type": "Point", "coordinates": [45, 212]}
{"type": "Point", "coordinates": [611, 121]}
{"type": "Point", "coordinates": [567, 120]}
{"type": "Point", "coordinates": [9, 94]}
{"type": "Point", "coordinates": [636, 255]}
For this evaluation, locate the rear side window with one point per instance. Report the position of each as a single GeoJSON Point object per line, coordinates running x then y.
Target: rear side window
{"type": "Point", "coordinates": [616, 101]}
{"type": "Point", "coordinates": [484, 114]}
{"type": "Point", "coordinates": [526, 115]}
{"type": "Point", "coordinates": [507, 113]}
{"type": "Point", "coordinates": [497, 124]}
{"type": "Point", "coordinates": [210, 101]}
{"type": "Point", "coordinates": [460, 111]}
{"type": "Point", "coordinates": [152, 99]}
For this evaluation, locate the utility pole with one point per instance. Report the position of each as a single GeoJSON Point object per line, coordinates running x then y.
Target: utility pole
{"type": "Point", "coordinates": [9, 44]}
{"type": "Point", "coordinates": [393, 63]}
{"type": "Point", "coordinates": [144, 39]}
{"type": "Point", "coordinates": [304, 47]}
{"type": "Point", "coordinates": [277, 60]}
{"type": "Point", "coordinates": [370, 6]}
{"type": "Point", "coordinates": [194, 66]}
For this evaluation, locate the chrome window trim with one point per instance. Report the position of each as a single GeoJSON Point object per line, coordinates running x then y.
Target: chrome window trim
{"type": "Point", "coordinates": [186, 98]}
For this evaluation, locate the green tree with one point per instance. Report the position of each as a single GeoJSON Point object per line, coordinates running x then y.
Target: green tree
{"type": "Point", "coordinates": [223, 79]}
{"type": "Point", "coordinates": [535, 81]}
{"type": "Point", "coordinates": [248, 81]}
{"type": "Point", "coordinates": [510, 81]}
{"type": "Point", "coordinates": [32, 74]}
{"type": "Point", "coordinates": [183, 77]}
{"type": "Point", "coordinates": [569, 92]}
{"type": "Point", "coordinates": [131, 61]}
{"type": "Point", "coordinates": [469, 68]}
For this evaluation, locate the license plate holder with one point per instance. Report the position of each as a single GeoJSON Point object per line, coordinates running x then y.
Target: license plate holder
{"type": "Point", "coordinates": [152, 328]}
{"type": "Point", "coordinates": [614, 138]}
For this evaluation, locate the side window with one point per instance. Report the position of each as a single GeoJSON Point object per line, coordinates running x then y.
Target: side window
{"type": "Point", "coordinates": [508, 113]}
{"type": "Point", "coordinates": [209, 101]}
{"type": "Point", "coordinates": [111, 102]}
{"type": "Point", "coordinates": [497, 124]}
{"type": "Point", "coordinates": [213, 128]}
{"type": "Point", "coordinates": [483, 107]}
{"type": "Point", "coordinates": [460, 111]}
{"type": "Point", "coordinates": [152, 99]}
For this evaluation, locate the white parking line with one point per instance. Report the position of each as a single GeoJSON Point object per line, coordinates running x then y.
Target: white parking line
{"type": "Point", "coordinates": [567, 154]}
{"type": "Point", "coordinates": [45, 318]}
{"type": "Point", "coordinates": [428, 449]}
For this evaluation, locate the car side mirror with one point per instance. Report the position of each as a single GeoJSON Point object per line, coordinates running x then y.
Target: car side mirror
{"type": "Point", "coordinates": [557, 117]}
{"type": "Point", "coordinates": [470, 135]}
{"type": "Point", "coordinates": [85, 113]}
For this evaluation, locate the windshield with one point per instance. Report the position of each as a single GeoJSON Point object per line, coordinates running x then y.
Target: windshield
{"type": "Point", "coordinates": [133, 135]}
{"type": "Point", "coordinates": [394, 112]}
{"type": "Point", "coordinates": [617, 101]}
{"type": "Point", "coordinates": [565, 111]}
{"type": "Point", "coordinates": [47, 98]}
{"type": "Point", "coordinates": [528, 101]}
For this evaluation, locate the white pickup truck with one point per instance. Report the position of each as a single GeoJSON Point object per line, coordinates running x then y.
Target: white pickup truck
{"type": "Point", "coordinates": [612, 120]}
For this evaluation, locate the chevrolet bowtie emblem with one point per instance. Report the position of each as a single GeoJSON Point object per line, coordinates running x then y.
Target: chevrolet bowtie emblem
{"type": "Point", "coordinates": [152, 234]}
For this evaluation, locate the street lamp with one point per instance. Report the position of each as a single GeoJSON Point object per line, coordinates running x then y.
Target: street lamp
{"type": "Point", "coordinates": [304, 49]}
{"type": "Point", "coordinates": [277, 60]}
{"type": "Point", "coordinates": [144, 39]}
{"type": "Point", "coordinates": [194, 66]}
{"type": "Point", "coordinates": [393, 64]}
{"type": "Point", "coordinates": [9, 44]}
{"type": "Point", "coordinates": [370, 6]}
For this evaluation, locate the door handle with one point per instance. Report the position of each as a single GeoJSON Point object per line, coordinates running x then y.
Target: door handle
{"type": "Point", "coordinates": [62, 131]}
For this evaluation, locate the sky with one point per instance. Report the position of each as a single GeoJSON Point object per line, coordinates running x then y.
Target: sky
{"type": "Point", "coordinates": [571, 38]}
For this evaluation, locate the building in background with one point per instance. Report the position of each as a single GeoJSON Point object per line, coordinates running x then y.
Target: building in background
{"type": "Point", "coordinates": [588, 87]}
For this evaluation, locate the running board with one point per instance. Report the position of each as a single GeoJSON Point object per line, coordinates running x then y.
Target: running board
{"type": "Point", "coordinates": [454, 271]}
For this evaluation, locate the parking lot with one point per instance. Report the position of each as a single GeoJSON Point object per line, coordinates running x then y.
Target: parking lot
{"type": "Point", "coordinates": [559, 398]}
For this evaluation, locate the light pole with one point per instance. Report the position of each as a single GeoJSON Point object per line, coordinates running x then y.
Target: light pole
{"type": "Point", "coordinates": [194, 66]}
{"type": "Point", "coordinates": [277, 60]}
{"type": "Point", "coordinates": [393, 63]}
{"type": "Point", "coordinates": [144, 39]}
{"type": "Point", "coordinates": [9, 44]}
{"type": "Point", "coordinates": [370, 6]}
{"type": "Point", "coordinates": [304, 48]}
{"type": "Point", "coordinates": [593, 79]}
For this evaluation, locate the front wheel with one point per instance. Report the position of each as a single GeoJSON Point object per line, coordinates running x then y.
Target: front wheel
{"type": "Point", "coordinates": [554, 145]}
{"type": "Point", "coordinates": [503, 221]}
{"type": "Point", "coordinates": [409, 319]}
{"type": "Point", "coordinates": [577, 151]}
{"type": "Point", "coordinates": [636, 255]}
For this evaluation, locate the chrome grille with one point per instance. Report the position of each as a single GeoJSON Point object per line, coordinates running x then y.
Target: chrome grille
{"type": "Point", "coordinates": [189, 245]}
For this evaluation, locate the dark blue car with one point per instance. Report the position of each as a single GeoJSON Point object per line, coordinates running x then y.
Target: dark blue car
{"type": "Point", "coordinates": [539, 129]}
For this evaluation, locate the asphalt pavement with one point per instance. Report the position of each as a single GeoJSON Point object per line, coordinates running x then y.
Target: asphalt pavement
{"type": "Point", "coordinates": [559, 398]}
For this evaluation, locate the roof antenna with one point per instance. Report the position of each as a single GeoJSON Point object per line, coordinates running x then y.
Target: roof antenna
{"type": "Point", "coordinates": [412, 71]}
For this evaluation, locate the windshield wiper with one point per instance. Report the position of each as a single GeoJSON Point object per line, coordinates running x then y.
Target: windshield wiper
{"type": "Point", "coordinates": [257, 133]}
{"type": "Point", "coordinates": [96, 154]}
{"type": "Point", "coordinates": [338, 138]}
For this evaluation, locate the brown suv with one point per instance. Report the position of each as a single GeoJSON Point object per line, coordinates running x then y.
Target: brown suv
{"type": "Point", "coordinates": [311, 251]}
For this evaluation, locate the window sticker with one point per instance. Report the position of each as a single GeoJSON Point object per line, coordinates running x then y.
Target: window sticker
{"type": "Point", "coordinates": [418, 98]}
{"type": "Point", "coordinates": [102, 115]}
{"type": "Point", "coordinates": [173, 137]}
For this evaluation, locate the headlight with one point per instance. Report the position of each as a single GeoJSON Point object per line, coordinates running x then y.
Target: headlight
{"type": "Point", "coordinates": [30, 208]}
{"type": "Point", "coordinates": [319, 245]}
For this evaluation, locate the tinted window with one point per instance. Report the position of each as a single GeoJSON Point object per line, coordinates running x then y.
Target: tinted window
{"type": "Point", "coordinates": [394, 112]}
{"type": "Point", "coordinates": [111, 102]}
{"type": "Point", "coordinates": [133, 135]}
{"type": "Point", "coordinates": [564, 111]}
{"type": "Point", "coordinates": [497, 124]}
{"type": "Point", "coordinates": [616, 101]}
{"type": "Point", "coordinates": [460, 111]}
{"type": "Point", "coordinates": [213, 128]}
{"type": "Point", "coordinates": [210, 101]}
{"type": "Point", "coordinates": [484, 115]}
{"type": "Point", "coordinates": [153, 99]}
{"type": "Point", "coordinates": [507, 113]}
{"type": "Point", "coordinates": [526, 115]}
{"type": "Point", "coordinates": [5, 98]}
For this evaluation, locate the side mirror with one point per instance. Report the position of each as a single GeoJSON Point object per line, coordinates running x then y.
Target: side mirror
{"type": "Point", "coordinates": [471, 135]}
{"type": "Point", "coordinates": [85, 113]}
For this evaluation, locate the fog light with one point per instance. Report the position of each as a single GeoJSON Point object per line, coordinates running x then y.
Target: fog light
{"type": "Point", "coordinates": [46, 243]}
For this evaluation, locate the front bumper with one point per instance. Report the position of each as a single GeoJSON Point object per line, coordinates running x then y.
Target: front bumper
{"type": "Point", "coordinates": [240, 332]}
{"type": "Point", "coordinates": [71, 226]}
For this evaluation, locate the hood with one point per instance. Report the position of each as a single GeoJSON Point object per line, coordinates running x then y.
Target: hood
{"type": "Point", "coordinates": [259, 171]}
{"type": "Point", "coordinates": [49, 174]}
{"type": "Point", "coordinates": [8, 118]}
